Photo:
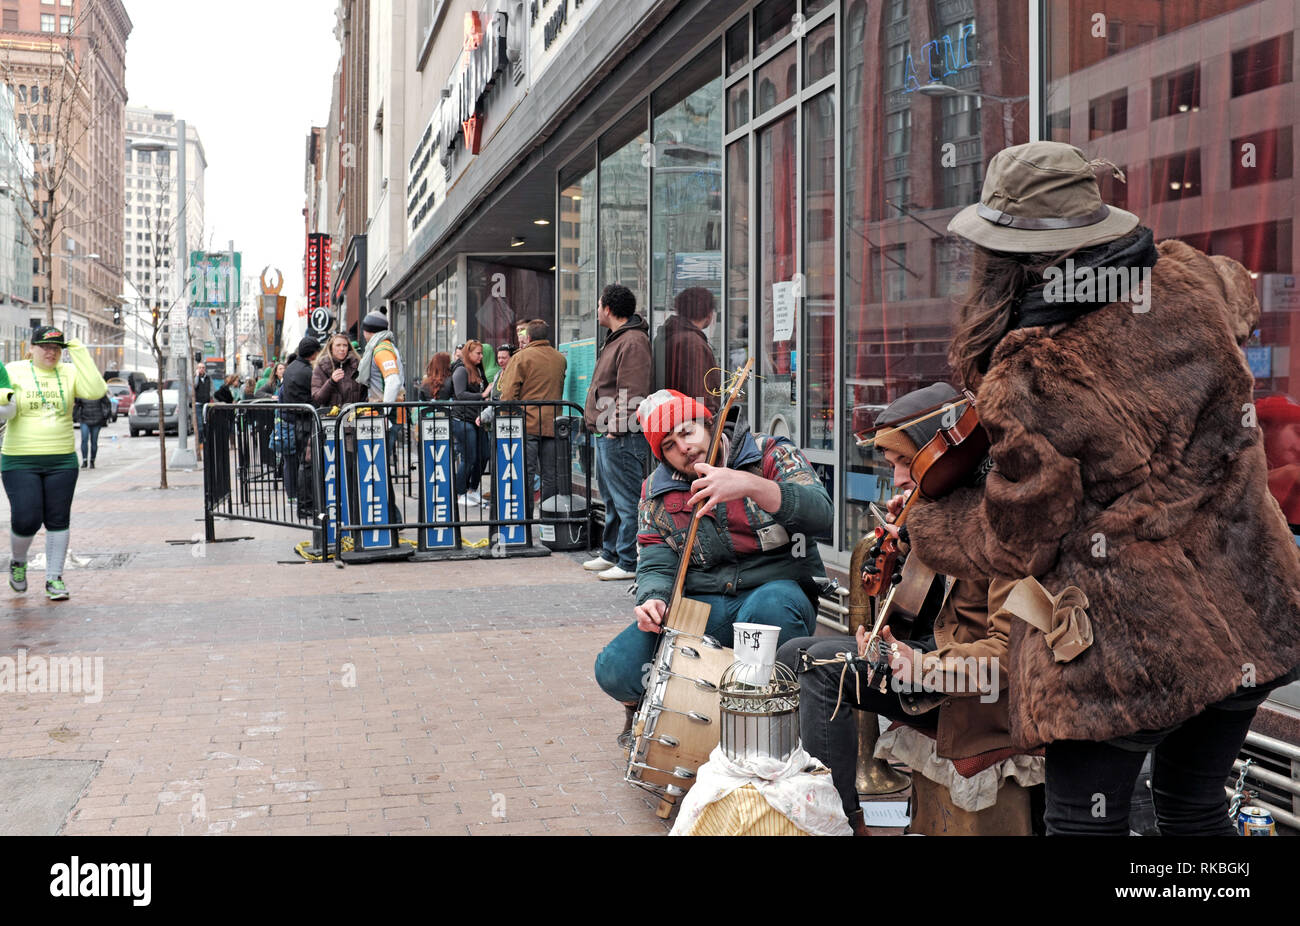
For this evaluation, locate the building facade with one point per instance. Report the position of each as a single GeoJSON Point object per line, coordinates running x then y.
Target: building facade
{"type": "Point", "coordinates": [16, 310]}
{"type": "Point", "coordinates": [800, 161]}
{"type": "Point", "coordinates": [152, 202]}
{"type": "Point", "coordinates": [66, 63]}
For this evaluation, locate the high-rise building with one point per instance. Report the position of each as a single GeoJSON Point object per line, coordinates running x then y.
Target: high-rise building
{"type": "Point", "coordinates": [152, 200]}
{"type": "Point", "coordinates": [66, 64]}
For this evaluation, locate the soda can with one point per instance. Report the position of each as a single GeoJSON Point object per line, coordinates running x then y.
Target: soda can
{"type": "Point", "coordinates": [1255, 821]}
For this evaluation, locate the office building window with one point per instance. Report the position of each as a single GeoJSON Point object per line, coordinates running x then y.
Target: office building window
{"type": "Point", "coordinates": [1265, 64]}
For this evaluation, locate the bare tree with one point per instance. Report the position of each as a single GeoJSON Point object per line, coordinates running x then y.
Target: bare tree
{"type": "Point", "coordinates": [52, 103]}
{"type": "Point", "coordinates": [160, 236]}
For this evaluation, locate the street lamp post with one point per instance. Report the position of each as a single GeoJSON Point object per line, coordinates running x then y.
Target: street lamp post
{"type": "Point", "coordinates": [936, 89]}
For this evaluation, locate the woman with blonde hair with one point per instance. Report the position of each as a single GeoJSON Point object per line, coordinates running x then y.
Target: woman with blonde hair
{"type": "Point", "coordinates": [333, 379]}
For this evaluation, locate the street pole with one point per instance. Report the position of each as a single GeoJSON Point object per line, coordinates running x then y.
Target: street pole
{"type": "Point", "coordinates": [183, 457]}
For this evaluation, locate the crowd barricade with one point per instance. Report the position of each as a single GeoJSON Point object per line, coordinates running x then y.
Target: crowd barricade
{"type": "Point", "coordinates": [262, 463]}
{"type": "Point", "coordinates": [466, 479]}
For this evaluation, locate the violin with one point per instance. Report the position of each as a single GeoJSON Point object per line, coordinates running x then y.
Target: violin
{"type": "Point", "coordinates": [955, 456]}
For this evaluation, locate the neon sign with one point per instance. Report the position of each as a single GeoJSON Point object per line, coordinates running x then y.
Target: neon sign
{"type": "Point", "coordinates": [945, 55]}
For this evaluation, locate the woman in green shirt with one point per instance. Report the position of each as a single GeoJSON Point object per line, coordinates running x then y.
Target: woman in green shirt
{"type": "Point", "coordinates": [38, 463]}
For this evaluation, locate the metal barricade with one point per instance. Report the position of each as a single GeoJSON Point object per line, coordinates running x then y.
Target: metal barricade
{"type": "Point", "coordinates": [262, 463]}
{"type": "Point", "coordinates": [421, 466]}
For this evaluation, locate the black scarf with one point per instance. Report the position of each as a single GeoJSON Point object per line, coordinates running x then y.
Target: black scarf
{"type": "Point", "coordinates": [1133, 250]}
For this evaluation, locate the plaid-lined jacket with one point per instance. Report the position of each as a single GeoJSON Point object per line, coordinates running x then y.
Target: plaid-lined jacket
{"type": "Point", "coordinates": [739, 546]}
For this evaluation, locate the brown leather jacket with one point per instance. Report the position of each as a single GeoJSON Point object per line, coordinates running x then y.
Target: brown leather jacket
{"type": "Point", "coordinates": [970, 642]}
{"type": "Point", "coordinates": [535, 374]}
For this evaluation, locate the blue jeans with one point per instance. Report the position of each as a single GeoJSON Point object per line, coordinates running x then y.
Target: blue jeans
{"type": "Point", "coordinates": [90, 437]}
{"type": "Point", "coordinates": [473, 450]}
{"type": "Point", "coordinates": [621, 666]}
{"type": "Point", "coordinates": [620, 468]}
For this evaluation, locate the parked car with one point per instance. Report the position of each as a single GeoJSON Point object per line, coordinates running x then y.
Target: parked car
{"type": "Point", "coordinates": [124, 396]}
{"type": "Point", "coordinates": [144, 412]}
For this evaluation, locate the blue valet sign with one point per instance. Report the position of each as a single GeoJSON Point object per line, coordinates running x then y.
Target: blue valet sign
{"type": "Point", "coordinates": [509, 491]}
{"type": "Point", "coordinates": [336, 499]}
{"type": "Point", "coordinates": [435, 458]}
{"type": "Point", "coordinates": [372, 481]}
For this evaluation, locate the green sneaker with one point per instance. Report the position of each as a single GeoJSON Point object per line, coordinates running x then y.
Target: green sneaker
{"type": "Point", "coordinates": [55, 590]}
{"type": "Point", "coordinates": [18, 576]}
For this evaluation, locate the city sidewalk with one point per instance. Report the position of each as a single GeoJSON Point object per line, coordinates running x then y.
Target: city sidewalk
{"type": "Point", "coordinates": [244, 691]}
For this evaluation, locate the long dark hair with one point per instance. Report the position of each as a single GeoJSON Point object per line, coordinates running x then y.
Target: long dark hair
{"type": "Point", "coordinates": [434, 374]}
{"type": "Point", "coordinates": [988, 311]}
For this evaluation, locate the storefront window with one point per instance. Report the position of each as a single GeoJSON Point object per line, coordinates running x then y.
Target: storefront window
{"type": "Point", "coordinates": [626, 155]}
{"type": "Point", "coordinates": [500, 297]}
{"type": "Point", "coordinates": [818, 287]}
{"type": "Point", "coordinates": [686, 228]}
{"type": "Point", "coordinates": [575, 264]}
{"type": "Point", "coordinates": [930, 92]}
{"type": "Point", "coordinates": [777, 286]}
{"type": "Point", "coordinates": [1209, 161]}
{"type": "Point", "coordinates": [738, 259]}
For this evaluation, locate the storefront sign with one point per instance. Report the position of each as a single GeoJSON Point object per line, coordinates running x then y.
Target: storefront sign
{"type": "Point", "coordinates": [550, 25]}
{"type": "Point", "coordinates": [483, 60]}
{"type": "Point", "coordinates": [318, 270]}
{"type": "Point", "coordinates": [1279, 292]}
{"type": "Point", "coordinates": [508, 493]}
{"type": "Point", "coordinates": [372, 480]}
{"type": "Point", "coordinates": [783, 311]}
{"type": "Point", "coordinates": [421, 195]}
{"type": "Point", "coordinates": [435, 455]}
{"type": "Point", "coordinates": [336, 501]}
{"type": "Point", "coordinates": [940, 58]}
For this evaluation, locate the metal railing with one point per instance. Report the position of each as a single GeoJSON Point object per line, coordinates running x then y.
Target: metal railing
{"type": "Point", "coordinates": [470, 479]}
{"type": "Point", "coordinates": [420, 466]}
{"type": "Point", "coordinates": [262, 464]}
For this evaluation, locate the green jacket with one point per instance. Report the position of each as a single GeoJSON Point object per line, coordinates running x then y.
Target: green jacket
{"type": "Point", "coordinates": [739, 546]}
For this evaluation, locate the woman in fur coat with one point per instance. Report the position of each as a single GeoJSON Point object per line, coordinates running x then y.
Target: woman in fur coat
{"type": "Point", "coordinates": [1128, 463]}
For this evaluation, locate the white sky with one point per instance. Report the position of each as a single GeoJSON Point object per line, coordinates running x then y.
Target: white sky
{"type": "Point", "coordinates": [252, 78]}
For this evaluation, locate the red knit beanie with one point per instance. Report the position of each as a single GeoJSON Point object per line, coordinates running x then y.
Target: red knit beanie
{"type": "Point", "coordinates": [664, 410]}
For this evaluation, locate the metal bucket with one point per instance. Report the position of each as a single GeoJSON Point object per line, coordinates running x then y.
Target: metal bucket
{"type": "Point", "coordinates": [759, 722]}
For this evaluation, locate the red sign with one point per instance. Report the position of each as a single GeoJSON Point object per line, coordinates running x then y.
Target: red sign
{"type": "Point", "coordinates": [473, 127]}
{"type": "Point", "coordinates": [473, 31]}
{"type": "Point", "coordinates": [318, 270]}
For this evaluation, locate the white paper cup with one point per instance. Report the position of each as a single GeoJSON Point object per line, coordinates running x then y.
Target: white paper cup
{"type": "Point", "coordinates": [755, 648]}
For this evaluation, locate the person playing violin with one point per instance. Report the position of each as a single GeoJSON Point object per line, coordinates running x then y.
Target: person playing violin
{"type": "Point", "coordinates": [755, 558]}
{"type": "Point", "coordinates": [1127, 464]}
{"type": "Point", "coordinates": [958, 639]}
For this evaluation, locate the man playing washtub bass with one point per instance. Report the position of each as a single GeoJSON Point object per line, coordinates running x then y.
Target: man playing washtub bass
{"type": "Point", "coordinates": [755, 558]}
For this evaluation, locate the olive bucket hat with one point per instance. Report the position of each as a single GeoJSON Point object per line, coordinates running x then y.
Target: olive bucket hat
{"type": "Point", "coordinates": [1042, 197]}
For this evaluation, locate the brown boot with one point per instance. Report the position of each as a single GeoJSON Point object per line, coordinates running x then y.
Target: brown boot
{"type": "Point", "coordinates": [857, 824]}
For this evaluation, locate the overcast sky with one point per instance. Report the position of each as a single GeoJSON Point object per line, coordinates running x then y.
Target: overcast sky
{"type": "Point", "coordinates": [252, 76]}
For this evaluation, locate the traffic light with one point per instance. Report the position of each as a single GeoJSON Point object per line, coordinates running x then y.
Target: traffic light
{"type": "Point", "coordinates": [117, 315]}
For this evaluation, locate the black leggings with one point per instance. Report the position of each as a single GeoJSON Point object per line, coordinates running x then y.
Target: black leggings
{"type": "Point", "coordinates": [1089, 785]}
{"type": "Point", "coordinates": [39, 497]}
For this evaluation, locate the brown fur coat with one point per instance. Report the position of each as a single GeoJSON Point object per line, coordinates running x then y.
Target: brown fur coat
{"type": "Point", "coordinates": [1127, 463]}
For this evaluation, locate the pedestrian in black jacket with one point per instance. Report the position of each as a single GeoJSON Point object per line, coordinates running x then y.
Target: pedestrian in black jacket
{"type": "Point", "coordinates": [297, 391]}
{"type": "Point", "coordinates": [91, 414]}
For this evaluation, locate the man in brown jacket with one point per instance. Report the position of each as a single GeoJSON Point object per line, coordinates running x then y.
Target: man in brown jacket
{"type": "Point", "coordinates": [953, 660]}
{"type": "Point", "coordinates": [536, 374]}
{"type": "Point", "coordinates": [618, 384]}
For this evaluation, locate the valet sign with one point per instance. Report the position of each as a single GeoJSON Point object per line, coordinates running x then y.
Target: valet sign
{"type": "Point", "coordinates": [483, 60]}
{"type": "Point", "coordinates": [550, 25]}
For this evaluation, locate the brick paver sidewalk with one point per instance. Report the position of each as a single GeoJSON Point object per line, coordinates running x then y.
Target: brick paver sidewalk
{"type": "Point", "coordinates": [244, 693]}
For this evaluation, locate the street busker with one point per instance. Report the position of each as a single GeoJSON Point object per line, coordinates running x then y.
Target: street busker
{"type": "Point", "coordinates": [38, 464]}
{"type": "Point", "coordinates": [952, 659]}
{"type": "Point", "coordinates": [755, 558]}
{"type": "Point", "coordinates": [1126, 463]}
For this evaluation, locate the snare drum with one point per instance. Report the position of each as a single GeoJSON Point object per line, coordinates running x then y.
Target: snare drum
{"type": "Point", "coordinates": [676, 726]}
